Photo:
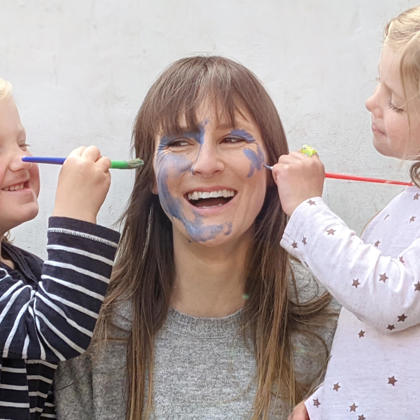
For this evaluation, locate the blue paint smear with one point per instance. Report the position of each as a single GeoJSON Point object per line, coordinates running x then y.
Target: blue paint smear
{"type": "Point", "coordinates": [178, 164]}
{"type": "Point", "coordinates": [243, 134]}
{"type": "Point", "coordinates": [256, 159]}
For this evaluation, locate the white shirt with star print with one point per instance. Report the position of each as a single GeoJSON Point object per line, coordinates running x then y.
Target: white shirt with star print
{"type": "Point", "coordinates": [374, 370]}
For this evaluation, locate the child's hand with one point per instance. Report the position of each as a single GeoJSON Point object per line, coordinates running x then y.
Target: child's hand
{"type": "Point", "coordinates": [298, 177]}
{"type": "Point", "coordinates": [299, 413]}
{"type": "Point", "coordinates": [83, 183]}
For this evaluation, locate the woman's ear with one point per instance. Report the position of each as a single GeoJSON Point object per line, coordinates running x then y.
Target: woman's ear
{"type": "Point", "coordinates": [154, 188]}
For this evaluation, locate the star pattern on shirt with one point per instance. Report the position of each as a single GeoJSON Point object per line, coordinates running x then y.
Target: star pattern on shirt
{"type": "Point", "coordinates": [316, 402]}
{"type": "Point", "coordinates": [311, 203]}
{"type": "Point", "coordinates": [417, 286]}
{"type": "Point", "coordinates": [416, 196]}
{"type": "Point", "coordinates": [377, 243]}
{"type": "Point", "coordinates": [383, 277]}
{"type": "Point", "coordinates": [304, 241]}
{"type": "Point", "coordinates": [294, 245]}
{"type": "Point", "coordinates": [392, 380]}
{"type": "Point", "coordinates": [402, 260]}
{"type": "Point", "coordinates": [353, 407]}
{"type": "Point", "coordinates": [390, 327]}
{"type": "Point", "coordinates": [331, 231]}
{"type": "Point", "coordinates": [336, 386]}
{"type": "Point", "coordinates": [356, 283]}
{"type": "Point", "coordinates": [402, 318]}
{"type": "Point", "coordinates": [362, 333]}
{"type": "Point", "coordinates": [386, 217]}
{"type": "Point", "coordinates": [362, 417]}
{"type": "Point", "coordinates": [412, 219]}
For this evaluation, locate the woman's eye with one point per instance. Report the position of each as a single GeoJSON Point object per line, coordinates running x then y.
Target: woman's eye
{"type": "Point", "coordinates": [233, 140]}
{"type": "Point", "coordinates": [180, 142]}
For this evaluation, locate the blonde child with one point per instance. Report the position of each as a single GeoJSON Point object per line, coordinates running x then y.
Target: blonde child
{"type": "Point", "coordinates": [47, 310]}
{"type": "Point", "coordinates": [374, 371]}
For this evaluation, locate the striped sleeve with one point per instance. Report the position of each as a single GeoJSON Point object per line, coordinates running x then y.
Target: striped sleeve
{"type": "Point", "coordinates": [55, 320]}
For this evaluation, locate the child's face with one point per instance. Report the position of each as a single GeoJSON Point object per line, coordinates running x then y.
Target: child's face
{"type": "Point", "coordinates": [212, 182]}
{"type": "Point", "coordinates": [19, 181]}
{"type": "Point", "coordinates": [394, 133]}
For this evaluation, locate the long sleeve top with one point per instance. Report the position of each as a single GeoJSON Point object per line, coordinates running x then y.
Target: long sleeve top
{"type": "Point", "coordinates": [48, 311]}
{"type": "Point", "coordinates": [373, 372]}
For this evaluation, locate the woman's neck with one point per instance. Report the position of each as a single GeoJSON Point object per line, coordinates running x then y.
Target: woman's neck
{"type": "Point", "coordinates": [209, 281]}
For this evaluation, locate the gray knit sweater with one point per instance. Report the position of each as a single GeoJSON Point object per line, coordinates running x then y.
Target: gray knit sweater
{"type": "Point", "coordinates": [203, 370]}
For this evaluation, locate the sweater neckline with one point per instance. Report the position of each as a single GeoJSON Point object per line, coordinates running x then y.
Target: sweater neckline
{"type": "Point", "coordinates": [204, 327]}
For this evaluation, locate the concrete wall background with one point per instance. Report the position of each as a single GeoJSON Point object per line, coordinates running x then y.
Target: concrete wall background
{"type": "Point", "coordinates": [80, 70]}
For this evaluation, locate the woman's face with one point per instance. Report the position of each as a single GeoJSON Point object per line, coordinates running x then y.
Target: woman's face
{"type": "Point", "coordinates": [212, 183]}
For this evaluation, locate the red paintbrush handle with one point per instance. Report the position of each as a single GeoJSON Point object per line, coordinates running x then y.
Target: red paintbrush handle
{"type": "Point", "coordinates": [364, 179]}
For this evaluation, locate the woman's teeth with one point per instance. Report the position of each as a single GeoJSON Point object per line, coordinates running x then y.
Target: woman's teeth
{"type": "Point", "coordinates": [206, 199]}
{"type": "Point", "coordinates": [202, 195]}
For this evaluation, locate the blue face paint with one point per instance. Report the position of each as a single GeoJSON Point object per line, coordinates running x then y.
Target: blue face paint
{"type": "Point", "coordinates": [257, 160]}
{"type": "Point", "coordinates": [170, 164]}
{"type": "Point", "coordinates": [243, 134]}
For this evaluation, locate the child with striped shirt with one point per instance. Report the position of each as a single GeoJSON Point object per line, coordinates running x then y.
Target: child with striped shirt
{"type": "Point", "coordinates": [48, 310]}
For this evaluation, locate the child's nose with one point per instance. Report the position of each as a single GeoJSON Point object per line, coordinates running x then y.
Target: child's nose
{"type": "Point", "coordinates": [16, 162]}
{"type": "Point", "coordinates": [208, 162]}
{"type": "Point", "coordinates": [373, 104]}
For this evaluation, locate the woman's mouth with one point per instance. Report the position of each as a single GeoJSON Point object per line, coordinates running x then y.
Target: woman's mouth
{"type": "Point", "coordinates": [210, 198]}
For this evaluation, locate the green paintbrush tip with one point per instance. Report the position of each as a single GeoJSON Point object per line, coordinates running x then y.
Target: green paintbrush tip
{"type": "Point", "coordinates": [127, 164]}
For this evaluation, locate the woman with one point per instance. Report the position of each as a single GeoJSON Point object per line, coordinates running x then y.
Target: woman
{"type": "Point", "coordinates": [202, 319]}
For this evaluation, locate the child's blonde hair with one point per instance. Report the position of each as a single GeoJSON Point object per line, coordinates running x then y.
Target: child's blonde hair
{"type": "Point", "coordinates": [5, 88]}
{"type": "Point", "coordinates": [402, 34]}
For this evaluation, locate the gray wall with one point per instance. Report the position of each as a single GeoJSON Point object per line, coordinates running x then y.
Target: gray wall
{"type": "Point", "coordinates": [81, 68]}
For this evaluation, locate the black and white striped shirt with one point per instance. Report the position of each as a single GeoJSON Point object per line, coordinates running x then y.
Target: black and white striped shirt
{"type": "Point", "coordinates": [48, 311]}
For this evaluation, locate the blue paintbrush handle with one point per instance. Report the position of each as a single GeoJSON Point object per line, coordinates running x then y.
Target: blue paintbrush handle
{"type": "Point", "coordinates": [115, 164]}
{"type": "Point", "coordinates": [36, 159]}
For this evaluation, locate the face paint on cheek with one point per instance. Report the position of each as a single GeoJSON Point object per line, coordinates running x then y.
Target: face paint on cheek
{"type": "Point", "coordinates": [256, 159]}
{"type": "Point", "coordinates": [165, 166]}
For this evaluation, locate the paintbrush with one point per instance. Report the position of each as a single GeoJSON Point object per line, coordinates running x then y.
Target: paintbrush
{"type": "Point", "coordinates": [357, 178]}
{"type": "Point", "coordinates": [115, 164]}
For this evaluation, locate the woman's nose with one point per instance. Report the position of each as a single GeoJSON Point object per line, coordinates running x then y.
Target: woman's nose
{"type": "Point", "coordinates": [208, 161]}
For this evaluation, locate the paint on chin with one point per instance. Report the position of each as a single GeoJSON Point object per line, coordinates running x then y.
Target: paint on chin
{"type": "Point", "coordinates": [174, 165]}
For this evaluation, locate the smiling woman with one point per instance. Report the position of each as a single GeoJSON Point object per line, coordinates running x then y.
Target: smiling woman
{"type": "Point", "coordinates": [202, 319]}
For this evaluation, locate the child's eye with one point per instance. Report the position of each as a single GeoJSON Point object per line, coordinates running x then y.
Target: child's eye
{"type": "Point", "coordinates": [395, 108]}
{"type": "Point", "coordinates": [24, 146]}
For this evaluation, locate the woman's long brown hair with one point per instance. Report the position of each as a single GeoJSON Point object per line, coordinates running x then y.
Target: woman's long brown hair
{"type": "Point", "coordinates": [144, 271]}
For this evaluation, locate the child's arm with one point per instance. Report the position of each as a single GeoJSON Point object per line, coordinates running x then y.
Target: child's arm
{"type": "Point", "coordinates": [299, 413]}
{"type": "Point", "coordinates": [381, 290]}
{"type": "Point", "coordinates": [54, 319]}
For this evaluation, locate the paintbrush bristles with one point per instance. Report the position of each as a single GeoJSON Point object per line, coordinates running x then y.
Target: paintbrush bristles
{"type": "Point", "coordinates": [135, 163]}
